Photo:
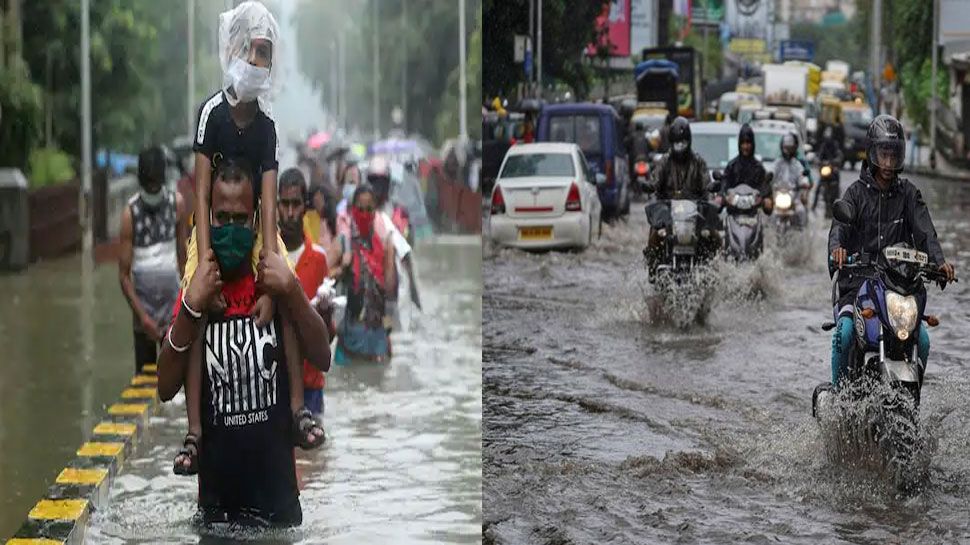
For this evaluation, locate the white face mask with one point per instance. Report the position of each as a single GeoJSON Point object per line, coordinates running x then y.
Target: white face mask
{"type": "Point", "coordinates": [680, 146]}
{"type": "Point", "coordinates": [247, 81]}
{"type": "Point", "coordinates": [152, 199]}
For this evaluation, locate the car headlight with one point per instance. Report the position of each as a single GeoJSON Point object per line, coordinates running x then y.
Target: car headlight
{"type": "Point", "coordinates": [902, 313]}
{"type": "Point", "coordinates": [783, 201]}
{"type": "Point", "coordinates": [826, 171]}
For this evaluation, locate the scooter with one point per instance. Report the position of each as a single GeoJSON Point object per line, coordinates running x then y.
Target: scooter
{"type": "Point", "coordinates": [884, 368]}
{"type": "Point", "coordinates": [743, 225]}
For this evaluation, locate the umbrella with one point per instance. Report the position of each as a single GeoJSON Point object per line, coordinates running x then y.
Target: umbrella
{"type": "Point", "coordinates": [393, 146]}
{"type": "Point", "coordinates": [317, 140]}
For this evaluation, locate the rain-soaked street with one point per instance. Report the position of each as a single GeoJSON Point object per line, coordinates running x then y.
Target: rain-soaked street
{"type": "Point", "coordinates": [402, 462]}
{"type": "Point", "coordinates": [603, 427]}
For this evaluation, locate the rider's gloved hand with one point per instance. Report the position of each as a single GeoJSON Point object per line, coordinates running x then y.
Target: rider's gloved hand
{"type": "Point", "coordinates": [947, 269]}
{"type": "Point", "coordinates": [839, 257]}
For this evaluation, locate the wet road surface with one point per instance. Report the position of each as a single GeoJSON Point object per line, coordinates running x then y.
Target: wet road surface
{"type": "Point", "coordinates": [604, 426]}
{"type": "Point", "coordinates": [402, 462]}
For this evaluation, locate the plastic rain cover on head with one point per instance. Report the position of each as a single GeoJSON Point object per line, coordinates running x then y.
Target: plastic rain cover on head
{"type": "Point", "coordinates": [238, 28]}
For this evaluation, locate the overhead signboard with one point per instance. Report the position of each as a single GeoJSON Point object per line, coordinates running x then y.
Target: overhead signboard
{"type": "Point", "coordinates": [796, 50]}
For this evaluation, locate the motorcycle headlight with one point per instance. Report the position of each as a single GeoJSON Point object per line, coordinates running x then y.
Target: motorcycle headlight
{"type": "Point", "coordinates": [783, 201]}
{"type": "Point", "coordinates": [733, 199]}
{"type": "Point", "coordinates": [902, 313]}
{"type": "Point", "coordinates": [826, 171]}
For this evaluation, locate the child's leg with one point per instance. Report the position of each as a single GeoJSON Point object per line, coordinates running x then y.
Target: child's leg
{"type": "Point", "coordinates": [191, 260]}
{"type": "Point", "coordinates": [267, 212]}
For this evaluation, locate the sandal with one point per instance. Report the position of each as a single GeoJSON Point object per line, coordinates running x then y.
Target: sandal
{"type": "Point", "coordinates": [190, 449]}
{"type": "Point", "coordinates": [304, 423]}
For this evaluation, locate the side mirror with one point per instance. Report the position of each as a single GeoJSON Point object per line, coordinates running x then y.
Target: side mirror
{"type": "Point", "coordinates": [718, 174]}
{"type": "Point", "coordinates": [600, 178]}
{"type": "Point", "coordinates": [843, 211]}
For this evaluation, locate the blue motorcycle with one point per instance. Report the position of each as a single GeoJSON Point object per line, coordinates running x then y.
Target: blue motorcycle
{"type": "Point", "coordinates": [884, 373]}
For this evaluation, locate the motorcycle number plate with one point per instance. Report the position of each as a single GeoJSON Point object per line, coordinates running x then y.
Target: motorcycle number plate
{"type": "Point", "coordinates": [748, 221]}
{"type": "Point", "coordinates": [906, 254]}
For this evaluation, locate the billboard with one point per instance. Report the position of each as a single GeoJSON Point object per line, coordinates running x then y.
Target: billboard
{"type": "Point", "coordinates": [615, 18]}
{"type": "Point", "coordinates": [747, 18]}
{"type": "Point", "coordinates": [796, 50]}
{"type": "Point", "coordinates": [954, 21]}
{"type": "Point", "coordinates": [643, 24]}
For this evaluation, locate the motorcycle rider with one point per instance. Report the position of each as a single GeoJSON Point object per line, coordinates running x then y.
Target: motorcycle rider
{"type": "Point", "coordinates": [791, 169]}
{"type": "Point", "coordinates": [887, 210]}
{"type": "Point", "coordinates": [745, 168]}
{"type": "Point", "coordinates": [681, 174]}
{"type": "Point", "coordinates": [830, 152]}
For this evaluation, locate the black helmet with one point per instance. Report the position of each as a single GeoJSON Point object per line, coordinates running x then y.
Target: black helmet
{"type": "Point", "coordinates": [886, 143]}
{"type": "Point", "coordinates": [789, 145]}
{"type": "Point", "coordinates": [680, 133]}
{"type": "Point", "coordinates": [746, 135]}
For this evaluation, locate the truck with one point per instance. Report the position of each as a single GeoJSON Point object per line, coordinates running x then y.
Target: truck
{"type": "Point", "coordinates": [657, 81]}
{"type": "Point", "coordinates": [785, 85]}
{"type": "Point", "coordinates": [688, 76]}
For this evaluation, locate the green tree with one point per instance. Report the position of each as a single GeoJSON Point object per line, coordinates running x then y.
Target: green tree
{"type": "Point", "coordinates": [429, 38]}
{"type": "Point", "coordinates": [567, 28]}
{"type": "Point", "coordinates": [447, 121]}
{"type": "Point", "coordinates": [20, 100]}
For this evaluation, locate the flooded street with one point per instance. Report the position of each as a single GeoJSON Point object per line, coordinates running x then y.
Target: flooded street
{"type": "Point", "coordinates": [602, 426]}
{"type": "Point", "coordinates": [402, 461]}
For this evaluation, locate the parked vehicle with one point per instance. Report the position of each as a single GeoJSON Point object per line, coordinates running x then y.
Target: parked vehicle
{"type": "Point", "coordinates": [598, 131]}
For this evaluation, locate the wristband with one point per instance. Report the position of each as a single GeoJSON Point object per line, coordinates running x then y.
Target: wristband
{"type": "Point", "coordinates": [193, 313]}
{"type": "Point", "coordinates": [179, 349]}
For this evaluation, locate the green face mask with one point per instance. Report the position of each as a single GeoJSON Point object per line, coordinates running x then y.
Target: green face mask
{"type": "Point", "coordinates": [232, 245]}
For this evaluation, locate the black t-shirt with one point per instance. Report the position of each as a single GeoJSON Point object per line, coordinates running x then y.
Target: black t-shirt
{"type": "Point", "coordinates": [246, 466]}
{"type": "Point", "coordinates": [218, 133]}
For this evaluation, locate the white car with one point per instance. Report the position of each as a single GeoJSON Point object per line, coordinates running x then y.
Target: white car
{"type": "Point", "coordinates": [545, 197]}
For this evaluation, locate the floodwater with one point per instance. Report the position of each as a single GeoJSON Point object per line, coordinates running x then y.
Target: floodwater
{"type": "Point", "coordinates": [402, 461]}
{"type": "Point", "coordinates": [603, 424]}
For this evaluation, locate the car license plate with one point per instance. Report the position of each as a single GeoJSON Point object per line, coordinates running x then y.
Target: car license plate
{"type": "Point", "coordinates": [535, 233]}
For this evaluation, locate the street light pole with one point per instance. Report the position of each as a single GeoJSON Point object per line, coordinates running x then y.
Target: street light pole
{"type": "Point", "coordinates": [463, 122]}
{"type": "Point", "coordinates": [190, 94]}
{"type": "Point", "coordinates": [404, 66]}
{"type": "Point", "coordinates": [936, 46]}
{"type": "Point", "coordinates": [87, 241]}
{"type": "Point", "coordinates": [532, 39]}
{"type": "Point", "coordinates": [539, 52]}
{"type": "Point", "coordinates": [377, 63]}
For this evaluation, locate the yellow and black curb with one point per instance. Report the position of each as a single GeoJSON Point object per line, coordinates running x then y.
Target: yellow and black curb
{"type": "Point", "coordinates": [82, 487]}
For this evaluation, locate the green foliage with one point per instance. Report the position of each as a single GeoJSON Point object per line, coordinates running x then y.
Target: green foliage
{"type": "Point", "coordinates": [20, 100]}
{"type": "Point", "coordinates": [447, 122]}
{"type": "Point", "coordinates": [428, 36]}
{"type": "Point", "coordinates": [567, 27]}
{"type": "Point", "coordinates": [138, 68]}
{"type": "Point", "coordinates": [918, 89]}
{"type": "Point", "coordinates": [49, 166]}
{"type": "Point", "coordinates": [843, 42]}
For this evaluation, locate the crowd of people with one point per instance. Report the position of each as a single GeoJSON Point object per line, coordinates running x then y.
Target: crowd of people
{"type": "Point", "coordinates": [235, 299]}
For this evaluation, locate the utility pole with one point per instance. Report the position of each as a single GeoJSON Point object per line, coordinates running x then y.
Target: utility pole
{"type": "Point", "coordinates": [334, 93]}
{"type": "Point", "coordinates": [874, 49]}
{"type": "Point", "coordinates": [538, 66]}
{"type": "Point", "coordinates": [462, 121]}
{"type": "Point", "coordinates": [530, 47]}
{"type": "Point", "coordinates": [190, 91]}
{"type": "Point", "coordinates": [936, 47]}
{"type": "Point", "coordinates": [343, 79]}
{"type": "Point", "coordinates": [377, 63]}
{"type": "Point", "coordinates": [404, 66]}
{"type": "Point", "coordinates": [87, 242]}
